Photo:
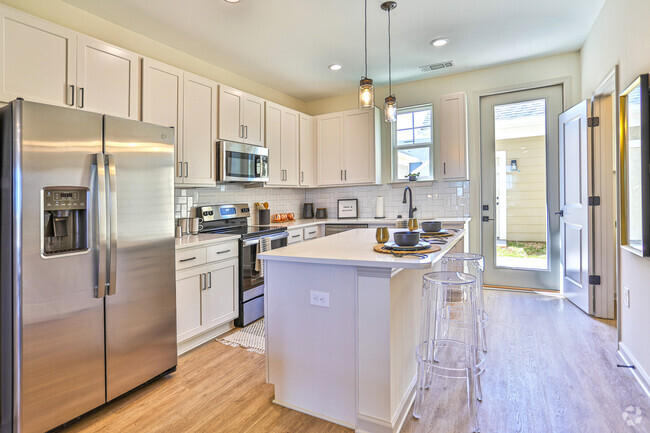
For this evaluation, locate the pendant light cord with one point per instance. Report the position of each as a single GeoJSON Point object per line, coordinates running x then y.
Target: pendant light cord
{"type": "Point", "coordinates": [390, 84]}
{"type": "Point", "coordinates": [365, 41]}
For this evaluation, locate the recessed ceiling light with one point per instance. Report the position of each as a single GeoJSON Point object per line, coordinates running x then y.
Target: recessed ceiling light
{"type": "Point", "coordinates": [335, 67]}
{"type": "Point", "coordinates": [440, 42]}
{"type": "Point", "coordinates": [232, 1]}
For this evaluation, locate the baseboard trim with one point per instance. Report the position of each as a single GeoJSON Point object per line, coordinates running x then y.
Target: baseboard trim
{"type": "Point", "coordinates": [314, 414]}
{"type": "Point", "coordinates": [198, 340]}
{"type": "Point", "coordinates": [638, 371]}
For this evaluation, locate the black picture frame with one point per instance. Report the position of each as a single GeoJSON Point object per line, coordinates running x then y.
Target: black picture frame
{"type": "Point", "coordinates": [347, 208]}
{"type": "Point", "coordinates": [636, 168]}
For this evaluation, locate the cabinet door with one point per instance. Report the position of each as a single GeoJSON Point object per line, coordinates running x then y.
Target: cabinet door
{"type": "Point", "coordinates": [199, 130]}
{"type": "Point", "coordinates": [273, 128]}
{"type": "Point", "coordinates": [108, 79]}
{"type": "Point", "coordinates": [37, 60]}
{"type": "Point", "coordinates": [306, 152]}
{"type": "Point", "coordinates": [290, 153]}
{"type": "Point", "coordinates": [189, 308]}
{"type": "Point", "coordinates": [330, 147]}
{"type": "Point", "coordinates": [162, 102]}
{"type": "Point", "coordinates": [221, 298]}
{"type": "Point", "coordinates": [253, 120]}
{"type": "Point", "coordinates": [359, 151]}
{"type": "Point", "coordinates": [453, 136]}
{"type": "Point", "coordinates": [231, 122]}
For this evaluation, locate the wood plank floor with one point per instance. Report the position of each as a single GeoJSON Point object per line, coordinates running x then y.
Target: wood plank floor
{"type": "Point", "coordinates": [551, 369]}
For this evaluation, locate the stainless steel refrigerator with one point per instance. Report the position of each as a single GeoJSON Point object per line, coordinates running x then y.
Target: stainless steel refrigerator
{"type": "Point", "coordinates": [88, 303]}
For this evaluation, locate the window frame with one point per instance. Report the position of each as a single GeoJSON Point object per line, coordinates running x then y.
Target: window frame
{"type": "Point", "coordinates": [394, 147]}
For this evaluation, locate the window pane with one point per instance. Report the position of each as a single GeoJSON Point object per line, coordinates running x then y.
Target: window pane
{"type": "Point", "coordinates": [404, 121]}
{"type": "Point", "coordinates": [405, 137]}
{"type": "Point", "coordinates": [423, 135]}
{"type": "Point", "coordinates": [422, 118]}
{"type": "Point", "coordinates": [413, 161]}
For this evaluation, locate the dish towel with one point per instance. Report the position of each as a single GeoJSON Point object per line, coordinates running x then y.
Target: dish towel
{"type": "Point", "coordinates": [263, 245]}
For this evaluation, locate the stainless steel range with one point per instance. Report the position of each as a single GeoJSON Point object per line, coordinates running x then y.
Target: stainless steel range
{"type": "Point", "coordinates": [233, 219]}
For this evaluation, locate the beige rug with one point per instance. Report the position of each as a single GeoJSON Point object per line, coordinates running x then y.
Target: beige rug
{"type": "Point", "coordinates": [251, 337]}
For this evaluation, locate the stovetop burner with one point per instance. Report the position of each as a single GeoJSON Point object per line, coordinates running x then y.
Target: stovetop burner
{"type": "Point", "coordinates": [233, 219]}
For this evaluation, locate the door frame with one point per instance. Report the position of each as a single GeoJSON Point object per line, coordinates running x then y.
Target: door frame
{"type": "Point", "coordinates": [552, 198]}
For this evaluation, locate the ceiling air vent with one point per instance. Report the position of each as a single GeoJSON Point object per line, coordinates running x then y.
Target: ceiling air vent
{"type": "Point", "coordinates": [436, 66]}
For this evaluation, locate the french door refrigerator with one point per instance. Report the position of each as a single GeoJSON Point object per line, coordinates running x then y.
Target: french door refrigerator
{"type": "Point", "coordinates": [88, 307]}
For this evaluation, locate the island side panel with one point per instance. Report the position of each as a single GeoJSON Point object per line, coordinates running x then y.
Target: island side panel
{"type": "Point", "coordinates": [311, 350]}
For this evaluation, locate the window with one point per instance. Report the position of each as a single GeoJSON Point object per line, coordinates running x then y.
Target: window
{"type": "Point", "coordinates": [412, 143]}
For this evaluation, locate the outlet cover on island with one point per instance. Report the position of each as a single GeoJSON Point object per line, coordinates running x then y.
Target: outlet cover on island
{"type": "Point", "coordinates": [319, 299]}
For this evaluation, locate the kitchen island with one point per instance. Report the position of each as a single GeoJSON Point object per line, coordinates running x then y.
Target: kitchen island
{"type": "Point", "coordinates": [342, 324]}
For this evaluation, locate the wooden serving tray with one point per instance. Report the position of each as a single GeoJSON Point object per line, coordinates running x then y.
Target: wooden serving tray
{"type": "Point", "coordinates": [431, 235]}
{"type": "Point", "coordinates": [379, 248]}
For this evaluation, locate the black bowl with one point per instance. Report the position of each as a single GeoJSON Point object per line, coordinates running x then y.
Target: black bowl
{"type": "Point", "coordinates": [431, 226]}
{"type": "Point", "coordinates": [406, 239]}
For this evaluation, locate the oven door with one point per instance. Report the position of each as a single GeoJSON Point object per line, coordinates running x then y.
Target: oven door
{"type": "Point", "coordinates": [242, 162]}
{"type": "Point", "coordinates": [251, 287]}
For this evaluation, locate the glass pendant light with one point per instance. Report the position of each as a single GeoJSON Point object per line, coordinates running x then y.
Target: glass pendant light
{"type": "Point", "coordinates": [390, 103]}
{"type": "Point", "coordinates": [366, 88]}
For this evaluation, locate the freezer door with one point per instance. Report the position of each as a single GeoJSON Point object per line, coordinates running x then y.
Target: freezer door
{"type": "Point", "coordinates": [60, 341]}
{"type": "Point", "coordinates": [141, 297]}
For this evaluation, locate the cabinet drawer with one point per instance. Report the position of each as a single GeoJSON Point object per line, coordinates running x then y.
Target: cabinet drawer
{"type": "Point", "coordinates": [310, 232]}
{"type": "Point", "coordinates": [294, 236]}
{"type": "Point", "coordinates": [222, 251]}
{"type": "Point", "coordinates": [189, 258]}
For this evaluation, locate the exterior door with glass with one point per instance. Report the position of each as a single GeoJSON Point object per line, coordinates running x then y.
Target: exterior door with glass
{"type": "Point", "coordinates": [520, 188]}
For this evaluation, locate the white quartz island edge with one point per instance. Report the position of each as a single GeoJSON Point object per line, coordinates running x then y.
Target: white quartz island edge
{"type": "Point", "coordinates": [351, 362]}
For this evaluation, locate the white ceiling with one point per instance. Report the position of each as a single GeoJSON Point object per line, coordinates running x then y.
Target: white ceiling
{"type": "Point", "coordinates": [288, 44]}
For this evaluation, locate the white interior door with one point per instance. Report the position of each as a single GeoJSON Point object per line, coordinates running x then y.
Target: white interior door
{"type": "Point", "coordinates": [523, 125]}
{"type": "Point", "coordinates": [574, 217]}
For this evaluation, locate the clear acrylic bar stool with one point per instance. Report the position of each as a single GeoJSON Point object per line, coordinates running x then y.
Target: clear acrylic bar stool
{"type": "Point", "coordinates": [472, 264]}
{"type": "Point", "coordinates": [449, 300]}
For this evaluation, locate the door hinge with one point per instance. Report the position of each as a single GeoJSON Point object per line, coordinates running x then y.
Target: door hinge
{"type": "Point", "coordinates": [594, 280]}
{"type": "Point", "coordinates": [594, 200]}
{"type": "Point", "coordinates": [593, 121]}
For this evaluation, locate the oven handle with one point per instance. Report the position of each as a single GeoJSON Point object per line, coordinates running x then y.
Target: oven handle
{"type": "Point", "coordinates": [249, 242]}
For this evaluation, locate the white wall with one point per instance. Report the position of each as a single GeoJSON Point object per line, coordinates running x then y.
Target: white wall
{"type": "Point", "coordinates": [620, 36]}
{"type": "Point", "coordinates": [514, 76]}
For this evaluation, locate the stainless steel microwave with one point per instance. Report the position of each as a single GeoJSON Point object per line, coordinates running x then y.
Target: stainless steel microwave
{"type": "Point", "coordinates": [239, 162]}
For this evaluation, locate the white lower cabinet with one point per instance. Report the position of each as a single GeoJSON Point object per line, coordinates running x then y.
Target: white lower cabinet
{"type": "Point", "coordinates": [207, 293]}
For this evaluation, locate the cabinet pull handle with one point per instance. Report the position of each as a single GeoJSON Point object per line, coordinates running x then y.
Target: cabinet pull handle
{"type": "Point", "coordinates": [341, 174]}
{"type": "Point", "coordinates": [346, 174]}
{"type": "Point", "coordinates": [70, 95]}
{"type": "Point", "coordinates": [302, 174]}
{"type": "Point", "coordinates": [296, 236]}
{"type": "Point", "coordinates": [180, 169]}
{"type": "Point", "coordinates": [209, 280]}
{"type": "Point", "coordinates": [444, 168]}
{"type": "Point", "coordinates": [241, 131]}
{"type": "Point", "coordinates": [187, 169]}
{"type": "Point", "coordinates": [246, 131]}
{"type": "Point", "coordinates": [311, 233]}
{"type": "Point", "coordinates": [204, 282]}
{"type": "Point", "coordinates": [187, 260]}
{"type": "Point", "coordinates": [223, 252]}
{"type": "Point", "coordinates": [81, 97]}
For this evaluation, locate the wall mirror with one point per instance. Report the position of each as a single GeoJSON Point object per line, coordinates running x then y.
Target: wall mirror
{"type": "Point", "coordinates": [635, 159]}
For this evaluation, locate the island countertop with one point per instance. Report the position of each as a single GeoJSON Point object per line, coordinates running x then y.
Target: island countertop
{"type": "Point", "coordinates": [355, 248]}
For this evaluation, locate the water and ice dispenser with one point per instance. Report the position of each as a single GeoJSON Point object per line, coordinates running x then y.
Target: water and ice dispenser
{"type": "Point", "coordinates": [65, 219]}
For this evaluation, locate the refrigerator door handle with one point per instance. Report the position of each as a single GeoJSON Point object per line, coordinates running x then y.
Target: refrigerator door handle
{"type": "Point", "coordinates": [101, 220]}
{"type": "Point", "coordinates": [112, 181]}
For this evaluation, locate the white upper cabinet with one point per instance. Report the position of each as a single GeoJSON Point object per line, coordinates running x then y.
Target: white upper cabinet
{"type": "Point", "coordinates": [453, 136]}
{"type": "Point", "coordinates": [349, 147]}
{"type": "Point", "coordinates": [282, 139]}
{"type": "Point", "coordinates": [38, 61]}
{"type": "Point", "coordinates": [187, 102]}
{"type": "Point", "coordinates": [43, 62]}
{"type": "Point", "coordinates": [306, 150]}
{"type": "Point", "coordinates": [162, 103]}
{"type": "Point", "coordinates": [199, 130]}
{"type": "Point", "coordinates": [241, 117]}
{"type": "Point", "coordinates": [107, 79]}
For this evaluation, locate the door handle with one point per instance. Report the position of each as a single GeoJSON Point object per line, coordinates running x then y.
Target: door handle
{"type": "Point", "coordinates": [80, 99]}
{"type": "Point", "coordinates": [70, 96]}
{"type": "Point", "coordinates": [112, 183]}
{"type": "Point", "coordinates": [187, 169]}
{"type": "Point", "coordinates": [560, 213]}
{"type": "Point", "coordinates": [101, 221]}
{"type": "Point", "coordinates": [486, 219]}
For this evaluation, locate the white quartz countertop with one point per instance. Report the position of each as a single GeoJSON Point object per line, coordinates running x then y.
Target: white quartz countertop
{"type": "Point", "coordinates": [354, 248]}
{"type": "Point", "coordinates": [203, 239]}
{"type": "Point", "coordinates": [374, 221]}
